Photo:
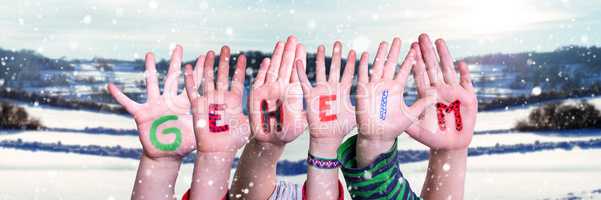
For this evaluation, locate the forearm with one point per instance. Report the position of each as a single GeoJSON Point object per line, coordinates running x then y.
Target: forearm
{"type": "Point", "coordinates": [211, 175]}
{"type": "Point", "coordinates": [156, 177]}
{"type": "Point", "coordinates": [446, 175]}
{"type": "Point", "coordinates": [256, 174]}
{"type": "Point", "coordinates": [320, 180]}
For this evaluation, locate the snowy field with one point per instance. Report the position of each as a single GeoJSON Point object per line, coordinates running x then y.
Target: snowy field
{"type": "Point", "coordinates": [538, 175]}
{"type": "Point", "coordinates": [45, 175]}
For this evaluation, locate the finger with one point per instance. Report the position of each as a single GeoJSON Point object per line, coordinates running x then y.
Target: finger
{"type": "Point", "coordinates": [126, 102]}
{"type": "Point", "coordinates": [336, 60]}
{"type": "Point", "coordinates": [191, 87]}
{"type": "Point", "coordinates": [406, 66]}
{"type": "Point", "coordinates": [171, 82]}
{"type": "Point", "coordinates": [429, 58]}
{"type": "Point", "coordinates": [302, 76]}
{"type": "Point", "coordinates": [420, 66]}
{"type": "Point", "coordinates": [466, 80]}
{"type": "Point", "coordinates": [239, 75]}
{"type": "Point", "coordinates": [376, 73]}
{"type": "Point", "coordinates": [300, 55]}
{"type": "Point", "coordinates": [198, 71]}
{"type": "Point", "coordinates": [260, 78]}
{"type": "Point", "coordinates": [287, 60]}
{"type": "Point", "coordinates": [320, 64]}
{"type": "Point", "coordinates": [363, 71]}
{"type": "Point", "coordinates": [446, 62]}
{"type": "Point", "coordinates": [276, 58]}
{"type": "Point", "coordinates": [349, 68]}
{"type": "Point", "coordinates": [152, 81]}
{"type": "Point", "coordinates": [392, 59]}
{"type": "Point", "coordinates": [420, 76]}
{"type": "Point", "coordinates": [223, 70]}
{"type": "Point", "coordinates": [209, 82]}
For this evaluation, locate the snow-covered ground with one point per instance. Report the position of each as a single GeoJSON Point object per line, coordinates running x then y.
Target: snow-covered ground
{"type": "Point", "coordinates": [537, 175]}
{"type": "Point", "coordinates": [46, 175]}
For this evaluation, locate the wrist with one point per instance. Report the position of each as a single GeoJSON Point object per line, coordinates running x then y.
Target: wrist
{"type": "Point", "coordinates": [267, 145]}
{"type": "Point", "coordinates": [324, 147]}
{"type": "Point", "coordinates": [368, 149]}
{"type": "Point", "coordinates": [163, 162]}
{"type": "Point", "coordinates": [374, 145]}
{"type": "Point", "coordinates": [449, 153]}
{"type": "Point", "coordinates": [227, 155]}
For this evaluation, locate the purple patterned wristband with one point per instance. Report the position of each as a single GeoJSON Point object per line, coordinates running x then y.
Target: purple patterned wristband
{"type": "Point", "coordinates": [323, 163]}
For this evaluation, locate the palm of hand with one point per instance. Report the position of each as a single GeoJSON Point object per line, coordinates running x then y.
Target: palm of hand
{"type": "Point", "coordinates": [284, 126]}
{"type": "Point", "coordinates": [450, 123]}
{"type": "Point", "coordinates": [329, 110]}
{"type": "Point", "coordinates": [381, 112]}
{"type": "Point", "coordinates": [450, 134]}
{"type": "Point", "coordinates": [276, 106]}
{"type": "Point", "coordinates": [164, 125]}
{"type": "Point", "coordinates": [228, 132]}
{"type": "Point", "coordinates": [165, 131]}
{"type": "Point", "coordinates": [220, 125]}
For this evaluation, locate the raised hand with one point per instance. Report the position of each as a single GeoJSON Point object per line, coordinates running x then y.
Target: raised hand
{"type": "Point", "coordinates": [276, 104]}
{"type": "Point", "coordinates": [382, 114]}
{"type": "Point", "coordinates": [450, 123]}
{"type": "Point", "coordinates": [219, 124]}
{"type": "Point", "coordinates": [164, 122]}
{"type": "Point", "coordinates": [331, 117]}
{"type": "Point", "coordinates": [329, 110]}
{"type": "Point", "coordinates": [381, 110]}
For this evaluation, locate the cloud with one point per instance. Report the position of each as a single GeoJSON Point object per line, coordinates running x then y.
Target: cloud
{"type": "Point", "coordinates": [123, 29]}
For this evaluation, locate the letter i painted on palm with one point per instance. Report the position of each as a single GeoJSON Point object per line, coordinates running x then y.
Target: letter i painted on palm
{"type": "Point", "coordinates": [324, 106]}
{"type": "Point", "coordinates": [384, 105]}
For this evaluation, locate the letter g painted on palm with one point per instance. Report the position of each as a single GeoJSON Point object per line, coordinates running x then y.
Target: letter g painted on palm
{"type": "Point", "coordinates": [171, 130]}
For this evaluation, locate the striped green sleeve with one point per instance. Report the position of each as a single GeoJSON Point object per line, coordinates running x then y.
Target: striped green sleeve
{"type": "Point", "coordinates": [381, 179]}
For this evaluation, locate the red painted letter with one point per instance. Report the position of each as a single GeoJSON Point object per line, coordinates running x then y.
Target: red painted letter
{"type": "Point", "coordinates": [277, 115]}
{"type": "Point", "coordinates": [323, 106]}
{"type": "Point", "coordinates": [213, 117]}
{"type": "Point", "coordinates": [454, 107]}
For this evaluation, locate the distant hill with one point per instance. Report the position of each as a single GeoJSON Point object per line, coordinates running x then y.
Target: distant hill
{"type": "Point", "coordinates": [566, 68]}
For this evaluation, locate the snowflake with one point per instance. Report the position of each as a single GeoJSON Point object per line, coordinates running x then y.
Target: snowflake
{"type": "Point", "coordinates": [536, 91]}
{"type": "Point", "coordinates": [229, 31]}
{"type": "Point", "coordinates": [153, 5]}
{"type": "Point", "coordinates": [86, 19]}
{"type": "Point", "coordinates": [446, 167]}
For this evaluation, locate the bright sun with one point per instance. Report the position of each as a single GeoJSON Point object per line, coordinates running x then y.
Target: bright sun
{"type": "Point", "coordinates": [485, 17]}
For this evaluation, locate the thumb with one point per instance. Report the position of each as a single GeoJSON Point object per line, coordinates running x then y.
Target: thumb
{"type": "Point", "coordinates": [421, 104]}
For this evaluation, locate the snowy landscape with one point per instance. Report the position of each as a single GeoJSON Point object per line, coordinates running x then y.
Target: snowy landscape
{"type": "Point", "coordinates": [38, 174]}
{"type": "Point", "coordinates": [535, 65]}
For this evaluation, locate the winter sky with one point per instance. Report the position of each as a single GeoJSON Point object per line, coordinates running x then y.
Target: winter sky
{"type": "Point", "coordinates": [126, 29]}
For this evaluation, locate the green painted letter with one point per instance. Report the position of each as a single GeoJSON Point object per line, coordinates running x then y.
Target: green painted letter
{"type": "Point", "coordinates": [153, 134]}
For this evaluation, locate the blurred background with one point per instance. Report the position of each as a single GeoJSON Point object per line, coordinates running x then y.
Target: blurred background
{"type": "Point", "coordinates": [536, 65]}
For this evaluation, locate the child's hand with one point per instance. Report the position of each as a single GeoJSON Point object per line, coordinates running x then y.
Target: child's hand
{"type": "Point", "coordinates": [382, 114]}
{"type": "Point", "coordinates": [164, 122]}
{"type": "Point", "coordinates": [329, 110]}
{"type": "Point", "coordinates": [449, 124]}
{"type": "Point", "coordinates": [219, 124]}
{"type": "Point", "coordinates": [276, 104]}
